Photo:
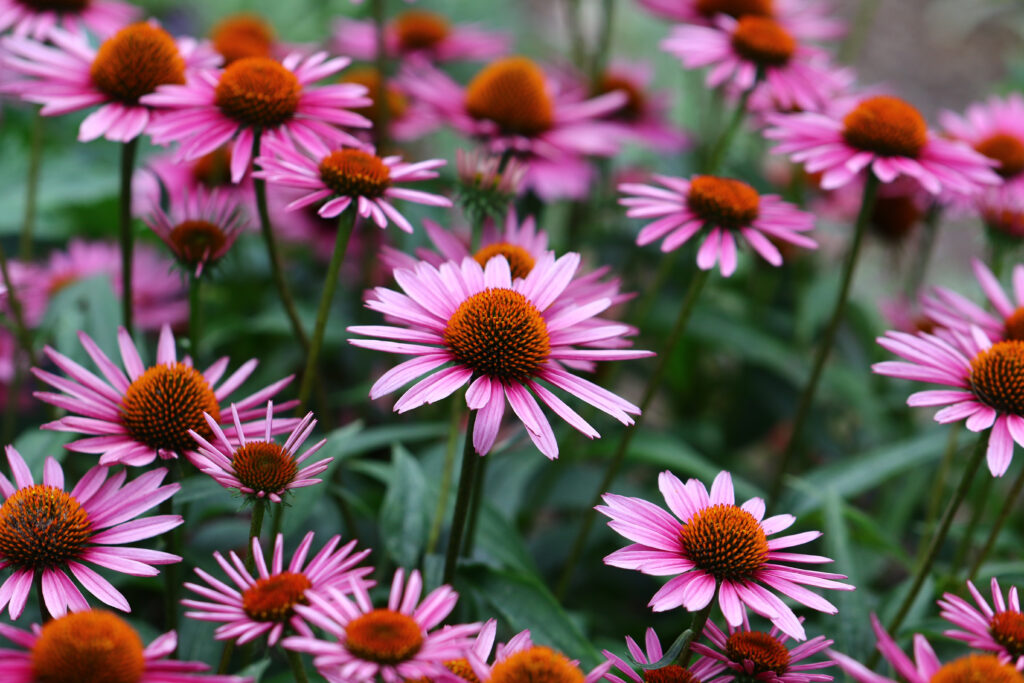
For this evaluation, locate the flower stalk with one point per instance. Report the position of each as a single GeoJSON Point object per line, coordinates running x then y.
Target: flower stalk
{"type": "Point", "coordinates": [129, 151]}
{"type": "Point", "coordinates": [463, 496]}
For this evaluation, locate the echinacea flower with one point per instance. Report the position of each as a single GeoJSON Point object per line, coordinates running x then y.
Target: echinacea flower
{"type": "Point", "coordinates": [1003, 212]}
{"type": "Point", "coordinates": [259, 468]}
{"type": "Point", "coordinates": [200, 228]}
{"type": "Point", "coordinates": [264, 604]}
{"type": "Point", "coordinates": [645, 115]}
{"type": "Point", "coordinates": [952, 310]}
{"type": "Point", "coordinates": [808, 19]}
{"type": "Point", "coordinates": [984, 379]}
{"type": "Point", "coordinates": [350, 177]}
{"type": "Point", "coordinates": [762, 656]}
{"type": "Point", "coordinates": [166, 177]}
{"type": "Point", "coordinates": [147, 413]}
{"type": "Point", "coordinates": [502, 336]}
{"type": "Point", "coordinates": [995, 128]}
{"type": "Point", "coordinates": [71, 75]}
{"type": "Point", "coordinates": [926, 666]}
{"type": "Point", "coordinates": [37, 18]}
{"type": "Point", "coordinates": [407, 117]}
{"type": "Point", "coordinates": [716, 547]}
{"type": "Point", "coordinates": [396, 643]}
{"type": "Point", "coordinates": [513, 108]}
{"type": "Point", "coordinates": [520, 659]}
{"type": "Point", "coordinates": [422, 34]}
{"type": "Point", "coordinates": [98, 647]}
{"type": "Point", "coordinates": [984, 628]}
{"type": "Point", "coordinates": [884, 136]}
{"type": "Point", "coordinates": [700, 671]}
{"type": "Point", "coordinates": [242, 35]}
{"type": "Point", "coordinates": [47, 532]}
{"type": "Point", "coordinates": [280, 101]}
{"type": "Point", "coordinates": [723, 208]}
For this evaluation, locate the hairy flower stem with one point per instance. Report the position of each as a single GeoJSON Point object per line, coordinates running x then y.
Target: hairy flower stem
{"type": "Point", "coordinates": [828, 339]}
{"type": "Point", "coordinates": [1004, 514]}
{"type": "Point", "coordinates": [380, 131]}
{"type": "Point", "coordinates": [194, 315]}
{"type": "Point", "coordinates": [467, 477]}
{"type": "Point", "coordinates": [128, 153]}
{"type": "Point", "coordinates": [346, 223]}
{"type": "Point", "coordinates": [31, 187]}
{"type": "Point", "coordinates": [446, 477]}
{"type": "Point", "coordinates": [298, 668]}
{"type": "Point", "coordinates": [276, 268]}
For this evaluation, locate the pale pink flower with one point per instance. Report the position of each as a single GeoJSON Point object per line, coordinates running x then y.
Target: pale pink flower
{"type": "Point", "coordinates": [420, 33]}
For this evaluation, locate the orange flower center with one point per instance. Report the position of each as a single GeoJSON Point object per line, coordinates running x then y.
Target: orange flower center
{"type": "Point", "coordinates": [213, 169]}
{"type": "Point", "coordinates": [997, 376]}
{"type": "Point", "coordinates": [88, 647]}
{"type": "Point", "coordinates": [519, 259]}
{"type": "Point", "coordinates": [1007, 629]}
{"type": "Point", "coordinates": [893, 218]}
{"type": "Point", "coordinates": [242, 35]}
{"type": "Point", "coordinates": [1008, 150]}
{"type": "Point", "coordinates": [887, 126]}
{"type": "Point", "coordinates": [537, 665]}
{"type": "Point", "coordinates": [70, 6]}
{"type": "Point", "coordinates": [258, 92]}
{"type": "Point", "coordinates": [264, 466]}
{"type": "Point", "coordinates": [636, 102]}
{"type": "Point", "coordinates": [763, 41]}
{"type": "Point", "coordinates": [134, 61]}
{"type": "Point", "coordinates": [500, 334]}
{"type": "Point", "coordinates": [1013, 327]}
{"type": "Point", "coordinates": [273, 598]}
{"type": "Point", "coordinates": [1007, 221]}
{"type": "Point", "coordinates": [355, 173]}
{"type": "Point", "coordinates": [419, 30]}
{"type": "Point", "coordinates": [725, 541]}
{"type": "Point", "coordinates": [513, 94]}
{"type": "Point", "coordinates": [383, 636]}
{"type": "Point", "coordinates": [977, 669]}
{"type": "Point", "coordinates": [673, 673]}
{"type": "Point", "coordinates": [462, 669]}
{"type": "Point", "coordinates": [368, 77]}
{"type": "Point", "coordinates": [197, 241]}
{"type": "Point", "coordinates": [41, 527]}
{"type": "Point", "coordinates": [764, 650]}
{"type": "Point", "coordinates": [735, 8]}
{"type": "Point", "coordinates": [164, 403]}
{"type": "Point", "coordinates": [723, 201]}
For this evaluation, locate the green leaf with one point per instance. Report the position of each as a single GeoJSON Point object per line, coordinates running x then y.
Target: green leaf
{"type": "Point", "coordinates": [88, 306]}
{"type": "Point", "coordinates": [403, 515]}
{"type": "Point", "coordinates": [498, 539]}
{"type": "Point", "coordinates": [353, 440]}
{"type": "Point", "coordinates": [255, 670]}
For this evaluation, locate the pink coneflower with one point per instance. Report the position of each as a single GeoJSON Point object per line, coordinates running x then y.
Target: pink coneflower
{"type": "Point", "coordinates": [201, 228]}
{"type": "Point", "coordinates": [422, 34]}
{"type": "Point", "coordinates": [645, 115]}
{"type": "Point", "coordinates": [512, 107]}
{"type": "Point", "coordinates": [807, 19]}
{"type": "Point", "coordinates": [994, 128]}
{"type": "Point", "coordinates": [983, 628]}
{"type": "Point", "coordinates": [72, 75]}
{"type": "Point", "coordinates": [242, 35]}
{"type": "Point", "coordinates": [47, 531]}
{"type": "Point", "coordinates": [265, 604]}
{"type": "Point", "coordinates": [725, 209]}
{"type": "Point", "coordinates": [760, 656]}
{"type": "Point", "coordinates": [793, 75]}
{"type": "Point", "coordinates": [521, 660]}
{"type": "Point", "coordinates": [1003, 212]}
{"type": "Point", "coordinates": [926, 667]}
{"type": "Point", "coordinates": [135, 418]}
{"type": "Point", "coordinates": [166, 179]}
{"type": "Point", "coordinates": [407, 117]}
{"type": "Point", "coordinates": [501, 334]}
{"type": "Point", "coordinates": [278, 99]}
{"type": "Point", "coordinates": [717, 547]}
{"type": "Point", "coordinates": [350, 177]}
{"type": "Point", "coordinates": [98, 647]}
{"type": "Point", "coordinates": [37, 18]}
{"type": "Point", "coordinates": [395, 643]}
{"type": "Point", "coordinates": [882, 135]}
{"type": "Point", "coordinates": [700, 671]}
{"type": "Point", "coordinates": [986, 384]}
{"type": "Point", "coordinates": [259, 468]}
{"type": "Point", "coordinates": [954, 311]}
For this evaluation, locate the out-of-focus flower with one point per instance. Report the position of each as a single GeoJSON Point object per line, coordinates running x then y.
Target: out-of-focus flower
{"type": "Point", "coordinates": [759, 656]}
{"type": "Point", "coordinates": [645, 115]}
{"type": "Point", "coordinates": [806, 19]}
{"type": "Point", "coordinates": [486, 184]}
{"type": "Point", "coordinates": [703, 669]}
{"type": "Point", "coordinates": [47, 532]}
{"type": "Point", "coordinates": [722, 207]}
{"type": "Point", "coordinates": [71, 75]}
{"type": "Point", "coordinates": [994, 128]}
{"type": "Point", "coordinates": [408, 118]}
{"type": "Point", "coordinates": [200, 229]}
{"type": "Point", "coordinates": [1003, 212]}
{"type": "Point", "coordinates": [38, 18]}
{"type": "Point", "coordinates": [242, 35]}
{"type": "Point", "coordinates": [419, 33]}
{"type": "Point", "coordinates": [716, 547]}
{"type": "Point", "coordinates": [521, 660]}
{"type": "Point", "coordinates": [984, 628]}
{"type": "Point", "coordinates": [167, 180]}
{"type": "Point", "coordinates": [955, 311]}
{"type": "Point", "coordinates": [501, 335]}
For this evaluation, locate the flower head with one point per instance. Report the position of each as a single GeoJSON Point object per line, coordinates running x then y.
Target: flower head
{"type": "Point", "coordinates": [763, 656]}
{"type": "Point", "coordinates": [147, 413]}
{"type": "Point", "coordinates": [718, 547]}
{"type": "Point", "coordinates": [242, 35]}
{"type": "Point", "coordinates": [999, 630]}
{"type": "Point", "coordinates": [994, 128]}
{"type": "Point", "coordinates": [484, 188]}
{"type": "Point", "coordinates": [520, 660]}
{"type": "Point", "coordinates": [395, 643]}
{"type": "Point", "coordinates": [200, 229]}
{"type": "Point", "coordinates": [952, 310]}
{"type": "Point", "coordinates": [38, 18]}
{"type": "Point", "coordinates": [47, 532]}
{"type": "Point", "coordinates": [421, 34]}
{"type": "Point", "coordinates": [702, 670]}
{"type": "Point", "coordinates": [99, 647]}
{"type": "Point", "coordinates": [500, 335]}
{"type": "Point", "coordinates": [166, 177]}
{"type": "Point", "coordinates": [259, 468]}
{"type": "Point", "coordinates": [407, 118]}
{"type": "Point", "coordinates": [71, 75]}
{"type": "Point", "coordinates": [723, 208]}
{"type": "Point", "coordinates": [645, 115]}
{"type": "Point", "coordinates": [807, 19]}
{"type": "Point", "coordinates": [265, 604]}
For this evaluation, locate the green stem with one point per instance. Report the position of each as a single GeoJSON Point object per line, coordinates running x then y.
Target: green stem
{"type": "Point", "coordinates": [346, 223]}
{"type": "Point", "coordinates": [1004, 514]}
{"type": "Point", "coordinates": [255, 529]}
{"type": "Point", "coordinates": [700, 620]}
{"type": "Point", "coordinates": [446, 477]}
{"type": "Point", "coordinates": [172, 573]}
{"type": "Point", "coordinates": [128, 153]}
{"type": "Point", "coordinates": [724, 142]}
{"type": "Point", "coordinates": [225, 657]}
{"type": "Point", "coordinates": [479, 481]}
{"type": "Point", "coordinates": [939, 485]}
{"type": "Point", "coordinates": [31, 187]}
{"type": "Point", "coordinates": [194, 315]}
{"type": "Point", "coordinates": [380, 132]}
{"type": "Point", "coordinates": [276, 268]}
{"type": "Point", "coordinates": [850, 49]}
{"type": "Point", "coordinates": [604, 40]}
{"type": "Point", "coordinates": [276, 520]}
{"type": "Point", "coordinates": [298, 668]}
{"type": "Point", "coordinates": [700, 278]}
{"type": "Point", "coordinates": [825, 346]}
{"type": "Point", "coordinates": [17, 312]}
{"type": "Point", "coordinates": [924, 250]}
{"type": "Point", "coordinates": [37, 582]}
{"type": "Point", "coordinates": [977, 510]}
{"type": "Point", "coordinates": [462, 497]}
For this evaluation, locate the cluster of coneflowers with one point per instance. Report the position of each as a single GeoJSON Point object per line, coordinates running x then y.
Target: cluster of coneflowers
{"type": "Point", "coordinates": [287, 137]}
